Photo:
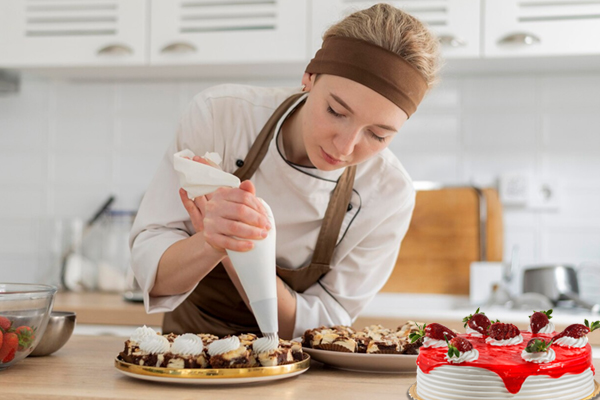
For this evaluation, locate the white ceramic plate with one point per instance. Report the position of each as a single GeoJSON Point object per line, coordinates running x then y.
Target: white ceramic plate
{"type": "Point", "coordinates": [386, 363]}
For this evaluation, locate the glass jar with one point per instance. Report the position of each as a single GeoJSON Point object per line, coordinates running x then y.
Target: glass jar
{"type": "Point", "coordinates": [115, 261]}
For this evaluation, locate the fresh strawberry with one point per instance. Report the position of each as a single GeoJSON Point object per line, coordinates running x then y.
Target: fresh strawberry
{"type": "Point", "coordinates": [539, 319]}
{"type": "Point", "coordinates": [10, 356]}
{"type": "Point", "coordinates": [10, 344]}
{"type": "Point", "coordinates": [4, 324]}
{"type": "Point", "coordinates": [463, 345]}
{"type": "Point", "coordinates": [502, 331]}
{"type": "Point", "coordinates": [26, 336]}
{"type": "Point", "coordinates": [434, 331]}
{"type": "Point", "coordinates": [577, 331]}
{"type": "Point", "coordinates": [478, 322]}
{"type": "Point", "coordinates": [536, 345]}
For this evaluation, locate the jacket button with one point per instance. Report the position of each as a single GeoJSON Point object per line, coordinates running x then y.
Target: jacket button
{"type": "Point", "coordinates": [239, 163]}
{"type": "Point", "coordinates": [349, 207]}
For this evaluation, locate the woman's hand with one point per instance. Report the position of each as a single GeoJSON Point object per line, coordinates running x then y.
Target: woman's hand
{"type": "Point", "coordinates": [228, 215]}
{"type": "Point", "coordinates": [233, 216]}
{"type": "Point", "coordinates": [196, 208]}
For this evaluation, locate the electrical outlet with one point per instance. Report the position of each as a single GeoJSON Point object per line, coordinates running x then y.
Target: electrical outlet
{"type": "Point", "coordinates": [545, 195]}
{"type": "Point", "coordinates": [514, 189]}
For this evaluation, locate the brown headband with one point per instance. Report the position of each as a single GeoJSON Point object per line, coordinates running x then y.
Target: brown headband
{"type": "Point", "coordinates": [373, 66]}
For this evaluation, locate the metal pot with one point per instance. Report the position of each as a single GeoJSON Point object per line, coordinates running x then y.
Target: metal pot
{"type": "Point", "coordinates": [557, 282]}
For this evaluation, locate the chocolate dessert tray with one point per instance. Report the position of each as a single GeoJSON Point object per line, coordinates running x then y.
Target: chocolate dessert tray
{"type": "Point", "coordinates": [208, 376]}
{"type": "Point", "coordinates": [382, 363]}
{"type": "Point", "coordinates": [412, 392]}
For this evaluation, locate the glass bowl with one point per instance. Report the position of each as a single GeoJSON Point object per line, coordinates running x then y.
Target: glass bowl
{"type": "Point", "coordinates": [24, 312]}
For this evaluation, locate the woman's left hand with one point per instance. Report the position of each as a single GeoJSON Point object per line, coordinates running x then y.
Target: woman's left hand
{"type": "Point", "coordinates": [196, 208]}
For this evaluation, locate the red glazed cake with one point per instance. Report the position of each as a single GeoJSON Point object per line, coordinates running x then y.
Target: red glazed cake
{"type": "Point", "coordinates": [505, 363]}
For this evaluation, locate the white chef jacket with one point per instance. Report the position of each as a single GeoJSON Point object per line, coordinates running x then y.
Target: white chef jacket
{"type": "Point", "coordinates": [227, 119]}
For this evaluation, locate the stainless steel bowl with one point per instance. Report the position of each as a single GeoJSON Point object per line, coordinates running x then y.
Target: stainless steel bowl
{"type": "Point", "coordinates": [557, 282]}
{"type": "Point", "coordinates": [59, 330]}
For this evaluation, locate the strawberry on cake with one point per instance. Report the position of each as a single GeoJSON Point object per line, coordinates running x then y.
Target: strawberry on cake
{"type": "Point", "coordinates": [477, 324]}
{"type": "Point", "coordinates": [539, 322]}
{"type": "Point", "coordinates": [506, 363]}
{"type": "Point", "coordinates": [433, 335]}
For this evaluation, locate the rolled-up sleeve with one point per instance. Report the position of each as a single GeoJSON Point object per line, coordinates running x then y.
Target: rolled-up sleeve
{"type": "Point", "coordinates": [162, 220]}
{"type": "Point", "coordinates": [357, 275]}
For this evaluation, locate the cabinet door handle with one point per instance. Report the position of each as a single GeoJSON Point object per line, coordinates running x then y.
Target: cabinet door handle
{"type": "Point", "coordinates": [451, 41]}
{"type": "Point", "coordinates": [115, 50]}
{"type": "Point", "coordinates": [526, 39]}
{"type": "Point", "coordinates": [179, 48]}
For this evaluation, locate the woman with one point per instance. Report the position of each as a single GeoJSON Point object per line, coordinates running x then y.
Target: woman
{"type": "Point", "coordinates": [318, 156]}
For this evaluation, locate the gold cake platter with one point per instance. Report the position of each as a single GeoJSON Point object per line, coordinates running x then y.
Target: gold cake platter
{"type": "Point", "coordinates": [412, 392]}
{"type": "Point", "coordinates": [209, 376]}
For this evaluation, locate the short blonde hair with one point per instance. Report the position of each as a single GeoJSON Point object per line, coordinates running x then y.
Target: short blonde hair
{"type": "Point", "coordinates": [397, 31]}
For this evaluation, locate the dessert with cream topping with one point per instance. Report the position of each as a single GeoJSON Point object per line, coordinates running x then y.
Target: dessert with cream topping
{"type": "Point", "coordinates": [229, 352]}
{"type": "Point", "coordinates": [505, 363]}
{"type": "Point", "coordinates": [148, 348]}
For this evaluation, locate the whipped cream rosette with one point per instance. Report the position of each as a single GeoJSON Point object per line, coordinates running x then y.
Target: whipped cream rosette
{"type": "Point", "coordinates": [140, 333]}
{"type": "Point", "coordinates": [156, 344]}
{"type": "Point", "coordinates": [187, 344]}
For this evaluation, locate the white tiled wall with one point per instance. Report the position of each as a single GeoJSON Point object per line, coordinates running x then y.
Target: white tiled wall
{"type": "Point", "coordinates": [65, 146]}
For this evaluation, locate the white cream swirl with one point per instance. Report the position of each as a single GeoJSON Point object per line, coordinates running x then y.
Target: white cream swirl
{"type": "Point", "coordinates": [470, 355]}
{"type": "Point", "coordinates": [265, 344]}
{"type": "Point", "coordinates": [429, 342]}
{"type": "Point", "coordinates": [187, 344]}
{"type": "Point", "coordinates": [567, 341]}
{"type": "Point", "coordinates": [506, 342]}
{"type": "Point", "coordinates": [141, 333]}
{"type": "Point", "coordinates": [223, 346]}
{"type": "Point", "coordinates": [541, 357]}
{"type": "Point", "coordinates": [473, 332]}
{"type": "Point", "coordinates": [156, 344]}
{"type": "Point", "coordinates": [549, 328]}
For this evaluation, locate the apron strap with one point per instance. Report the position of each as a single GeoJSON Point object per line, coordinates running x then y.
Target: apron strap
{"type": "Point", "coordinates": [260, 147]}
{"type": "Point", "coordinates": [334, 216]}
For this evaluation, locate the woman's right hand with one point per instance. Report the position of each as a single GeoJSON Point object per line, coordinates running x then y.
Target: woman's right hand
{"type": "Point", "coordinates": [233, 217]}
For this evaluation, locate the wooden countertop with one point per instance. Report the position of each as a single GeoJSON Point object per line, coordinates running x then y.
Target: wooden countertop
{"type": "Point", "coordinates": [84, 369]}
{"type": "Point", "coordinates": [110, 309]}
{"type": "Point", "coordinates": [105, 309]}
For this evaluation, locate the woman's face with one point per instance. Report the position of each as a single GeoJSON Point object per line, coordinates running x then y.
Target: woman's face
{"type": "Point", "coordinates": [345, 123]}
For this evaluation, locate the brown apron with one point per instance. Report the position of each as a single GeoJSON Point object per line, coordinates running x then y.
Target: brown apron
{"type": "Point", "coordinates": [215, 306]}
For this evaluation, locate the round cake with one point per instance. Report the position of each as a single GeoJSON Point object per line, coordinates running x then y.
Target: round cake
{"type": "Point", "coordinates": [501, 373]}
{"type": "Point", "coordinates": [519, 365]}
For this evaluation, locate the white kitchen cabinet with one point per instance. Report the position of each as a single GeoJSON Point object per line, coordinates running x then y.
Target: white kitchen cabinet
{"type": "Point", "coordinates": [517, 28]}
{"type": "Point", "coordinates": [227, 31]}
{"type": "Point", "coordinates": [455, 22]}
{"type": "Point", "coordinates": [42, 33]}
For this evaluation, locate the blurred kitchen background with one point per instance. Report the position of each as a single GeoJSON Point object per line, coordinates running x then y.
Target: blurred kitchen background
{"type": "Point", "coordinates": [91, 92]}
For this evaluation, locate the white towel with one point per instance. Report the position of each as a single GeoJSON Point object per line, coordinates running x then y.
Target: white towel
{"type": "Point", "coordinates": [199, 179]}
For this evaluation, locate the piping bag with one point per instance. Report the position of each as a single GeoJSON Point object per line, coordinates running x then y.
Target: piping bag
{"type": "Point", "coordinates": [255, 268]}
